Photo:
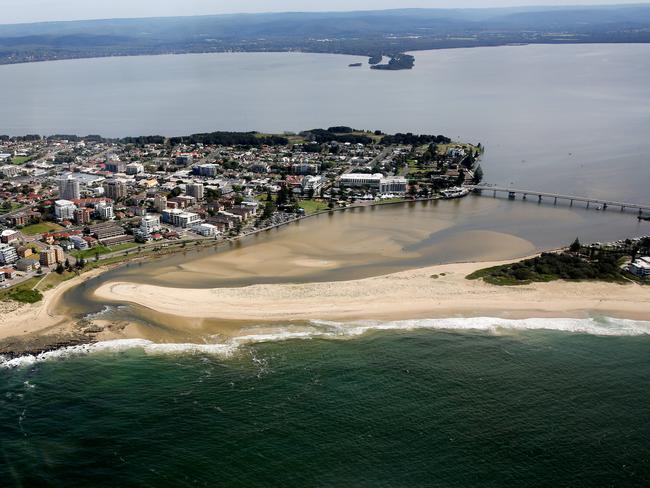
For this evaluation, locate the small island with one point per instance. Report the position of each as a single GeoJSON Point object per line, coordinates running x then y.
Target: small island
{"type": "Point", "coordinates": [397, 62]}
{"type": "Point", "coordinates": [355, 65]}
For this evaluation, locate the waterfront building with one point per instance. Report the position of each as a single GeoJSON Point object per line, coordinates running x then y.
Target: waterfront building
{"type": "Point", "coordinates": [357, 180]}
{"type": "Point", "coordinates": [64, 209]}
{"type": "Point", "coordinates": [314, 183]}
{"type": "Point", "coordinates": [150, 224]}
{"type": "Point", "coordinates": [47, 257]}
{"type": "Point", "coordinates": [106, 230]}
{"type": "Point", "coordinates": [27, 265]}
{"type": "Point", "coordinates": [179, 218]}
{"type": "Point", "coordinates": [393, 184]}
{"type": "Point", "coordinates": [8, 254]}
{"type": "Point", "coordinates": [206, 230]}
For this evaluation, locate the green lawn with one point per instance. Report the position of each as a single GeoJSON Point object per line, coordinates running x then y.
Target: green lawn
{"type": "Point", "coordinates": [312, 206]}
{"type": "Point", "coordinates": [42, 228]}
{"type": "Point", "coordinates": [23, 293]}
{"type": "Point", "coordinates": [91, 253]}
{"type": "Point", "coordinates": [53, 280]}
{"type": "Point", "coordinates": [21, 159]}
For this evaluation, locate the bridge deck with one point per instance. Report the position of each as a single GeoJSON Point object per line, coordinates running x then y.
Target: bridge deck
{"type": "Point", "coordinates": [575, 198]}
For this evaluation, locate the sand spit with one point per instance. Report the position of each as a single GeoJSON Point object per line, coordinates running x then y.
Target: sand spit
{"type": "Point", "coordinates": [432, 292]}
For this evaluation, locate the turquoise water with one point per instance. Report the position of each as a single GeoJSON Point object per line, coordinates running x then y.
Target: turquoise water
{"type": "Point", "coordinates": [391, 408]}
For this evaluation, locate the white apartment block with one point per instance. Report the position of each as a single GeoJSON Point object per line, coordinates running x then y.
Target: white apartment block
{"type": "Point", "coordinates": [64, 209]}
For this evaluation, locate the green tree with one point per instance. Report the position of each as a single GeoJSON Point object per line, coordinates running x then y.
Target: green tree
{"type": "Point", "coordinates": [60, 269]}
{"type": "Point", "coordinates": [478, 175]}
{"type": "Point", "coordinates": [575, 246]}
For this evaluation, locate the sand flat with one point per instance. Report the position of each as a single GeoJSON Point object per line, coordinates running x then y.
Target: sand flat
{"type": "Point", "coordinates": [404, 295]}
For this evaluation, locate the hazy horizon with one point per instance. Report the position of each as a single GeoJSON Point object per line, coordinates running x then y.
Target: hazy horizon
{"type": "Point", "coordinates": [30, 11]}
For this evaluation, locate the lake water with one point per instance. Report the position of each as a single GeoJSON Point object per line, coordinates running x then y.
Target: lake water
{"type": "Point", "coordinates": [555, 118]}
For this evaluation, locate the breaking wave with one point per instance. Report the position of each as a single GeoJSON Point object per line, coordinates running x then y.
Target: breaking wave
{"type": "Point", "coordinates": [318, 329]}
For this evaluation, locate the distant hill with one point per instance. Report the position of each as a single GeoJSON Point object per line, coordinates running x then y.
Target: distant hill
{"type": "Point", "coordinates": [368, 33]}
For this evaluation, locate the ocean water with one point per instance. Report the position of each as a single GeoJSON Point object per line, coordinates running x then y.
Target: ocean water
{"type": "Point", "coordinates": [461, 402]}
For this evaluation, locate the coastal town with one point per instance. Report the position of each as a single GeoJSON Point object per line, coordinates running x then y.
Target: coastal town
{"type": "Point", "coordinates": [69, 202]}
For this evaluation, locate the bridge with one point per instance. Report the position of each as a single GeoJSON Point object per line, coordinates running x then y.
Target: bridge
{"type": "Point", "coordinates": [512, 194]}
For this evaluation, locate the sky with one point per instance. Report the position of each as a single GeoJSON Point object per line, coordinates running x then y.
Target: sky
{"type": "Point", "coordinates": [20, 11]}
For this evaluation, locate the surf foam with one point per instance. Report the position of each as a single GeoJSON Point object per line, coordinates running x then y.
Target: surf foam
{"type": "Point", "coordinates": [319, 329]}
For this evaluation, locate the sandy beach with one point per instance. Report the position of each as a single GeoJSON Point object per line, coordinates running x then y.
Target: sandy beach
{"type": "Point", "coordinates": [432, 292]}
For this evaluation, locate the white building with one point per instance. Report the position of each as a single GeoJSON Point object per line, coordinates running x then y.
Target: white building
{"type": "Point", "coordinates": [313, 183]}
{"type": "Point", "coordinates": [206, 230]}
{"type": "Point", "coordinates": [179, 218]}
{"type": "Point", "coordinates": [8, 254]}
{"type": "Point", "coordinates": [64, 209]}
{"type": "Point", "coordinates": [69, 188]}
{"type": "Point", "coordinates": [640, 267]}
{"type": "Point", "coordinates": [393, 184]}
{"type": "Point", "coordinates": [105, 211]}
{"type": "Point", "coordinates": [356, 180]}
{"type": "Point", "coordinates": [150, 224]}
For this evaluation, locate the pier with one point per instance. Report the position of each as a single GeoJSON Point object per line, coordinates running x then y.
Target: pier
{"type": "Point", "coordinates": [513, 193]}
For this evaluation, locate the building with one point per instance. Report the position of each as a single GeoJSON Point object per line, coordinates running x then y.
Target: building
{"type": "Point", "coordinates": [59, 255]}
{"type": "Point", "coordinates": [47, 257]}
{"type": "Point", "coordinates": [69, 188]}
{"type": "Point", "coordinates": [195, 190]}
{"type": "Point", "coordinates": [82, 216]}
{"type": "Point", "coordinates": [116, 166]}
{"type": "Point", "coordinates": [359, 180]}
{"type": "Point", "coordinates": [393, 184]}
{"type": "Point", "coordinates": [134, 169]}
{"type": "Point", "coordinates": [207, 170]}
{"type": "Point", "coordinates": [640, 267]}
{"type": "Point", "coordinates": [105, 211]}
{"type": "Point", "coordinates": [27, 265]}
{"type": "Point", "coordinates": [79, 243]}
{"type": "Point", "coordinates": [305, 169]}
{"type": "Point", "coordinates": [314, 183]}
{"type": "Point", "coordinates": [160, 203]}
{"type": "Point", "coordinates": [8, 254]}
{"type": "Point", "coordinates": [206, 230]}
{"type": "Point", "coordinates": [10, 170]}
{"type": "Point", "coordinates": [184, 160]}
{"type": "Point", "coordinates": [64, 209]}
{"type": "Point", "coordinates": [115, 189]}
{"type": "Point", "coordinates": [178, 218]}
{"type": "Point", "coordinates": [107, 230]}
{"type": "Point", "coordinates": [150, 224]}
{"type": "Point", "coordinates": [8, 236]}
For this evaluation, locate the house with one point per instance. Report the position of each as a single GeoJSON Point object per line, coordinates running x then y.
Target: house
{"type": "Point", "coordinates": [8, 273]}
{"type": "Point", "coordinates": [27, 265]}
